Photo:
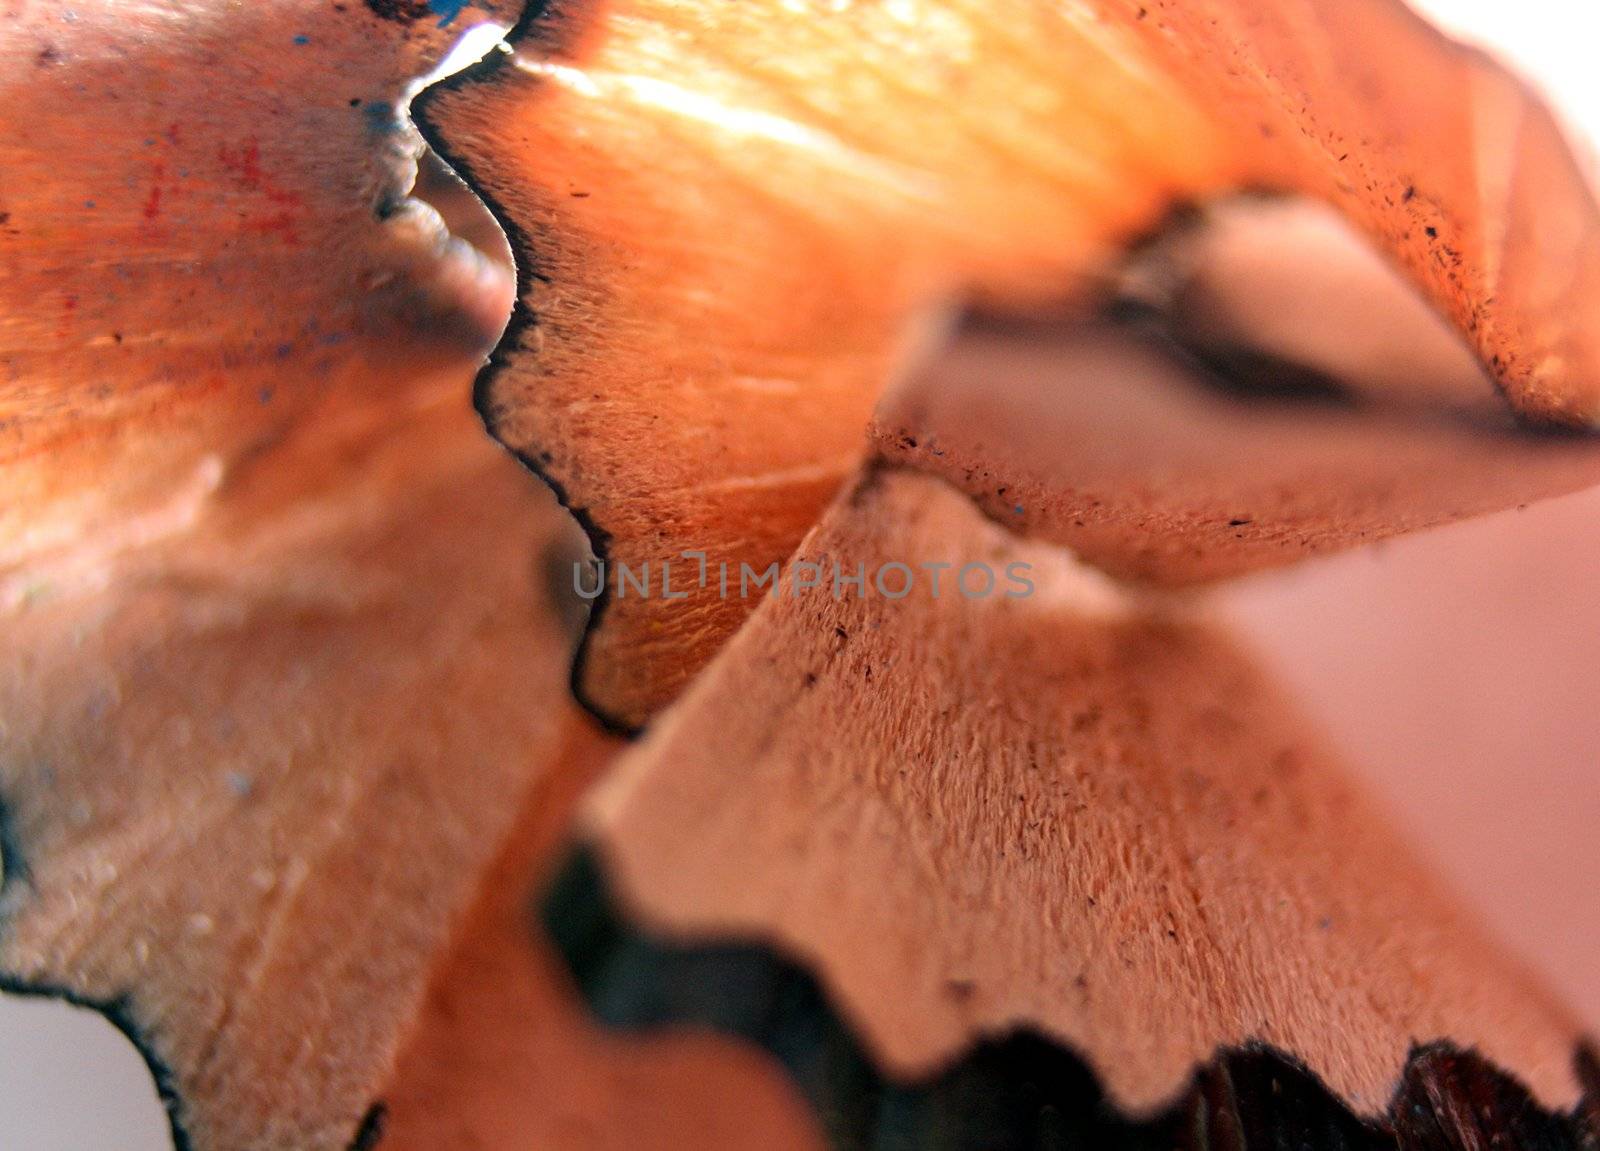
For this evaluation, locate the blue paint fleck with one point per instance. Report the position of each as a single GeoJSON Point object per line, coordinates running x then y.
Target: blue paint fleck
{"type": "Point", "coordinates": [381, 117]}
{"type": "Point", "coordinates": [285, 351]}
{"type": "Point", "coordinates": [447, 10]}
{"type": "Point", "coordinates": [1017, 510]}
{"type": "Point", "coordinates": [302, 39]}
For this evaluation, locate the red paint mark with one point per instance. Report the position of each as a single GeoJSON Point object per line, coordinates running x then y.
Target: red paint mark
{"type": "Point", "coordinates": [284, 199]}
{"type": "Point", "coordinates": [152, 204]}
{"type": "Point", "coordinates": [69, 304]}
{"type": "Point", "coordinates": [244, 163]}
{"type": "Point", "coordinates": [280, 224]}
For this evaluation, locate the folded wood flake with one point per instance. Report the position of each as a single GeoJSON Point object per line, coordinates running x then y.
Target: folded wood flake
{"type": "Point", "coordinates": [1064, 815]}
{"type": "Point", "coordinates": [737, 222]}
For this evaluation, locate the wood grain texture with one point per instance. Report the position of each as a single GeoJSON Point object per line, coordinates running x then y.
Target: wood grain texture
{"type": "Point", "coordinates": [504, 1056]}
{"type": "Point", "coordinates": [1021, 1091]}
{"type": "Point", "coordinates": [205, 242]}
{"type": "Point", "coordinates": [252, 774]}
{"type": "Point", "coordinates": [1123, 446]}
{"type": "Point", "coordinates": [737, 223]}
{"type": "Point", "coordinates": [1068, 813]}
{"type": "Point", "coordinates": [1485, 747]}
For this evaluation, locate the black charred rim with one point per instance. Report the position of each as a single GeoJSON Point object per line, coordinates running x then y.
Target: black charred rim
{"type": "Point", "coordinates": [370, 1132]}
{"type": "Point", "coordinates": [119, 1010]}
{"type": "Point", "coordinates": [400, 11]}
{"type": "Point", "coordinates": [119, 1013]}
{"type": "Point", "coordinates": [551, 23]}
{"type": "Point", "coordinates": [1026, 1092]}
